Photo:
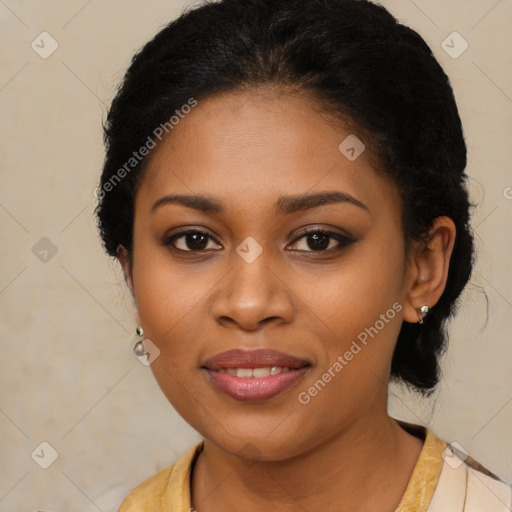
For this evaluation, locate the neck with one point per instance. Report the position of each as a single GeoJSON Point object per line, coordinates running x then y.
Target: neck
{"type": "Point", "coordinates": [366, 466]}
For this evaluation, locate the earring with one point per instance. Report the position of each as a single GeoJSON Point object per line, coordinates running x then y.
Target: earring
{"type": "Point", "coordinates": [138, 348]}
{"type": "Point", "coordinates": [423, 313]}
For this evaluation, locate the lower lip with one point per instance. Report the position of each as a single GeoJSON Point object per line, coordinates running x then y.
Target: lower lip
{"type": "Point", "coordinates": [253, 389]}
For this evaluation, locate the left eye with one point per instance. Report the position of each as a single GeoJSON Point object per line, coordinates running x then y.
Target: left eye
{"type": "Point", "coordinates": [320, 241]}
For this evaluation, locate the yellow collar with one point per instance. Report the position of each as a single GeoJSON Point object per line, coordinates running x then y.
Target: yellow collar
{"type": "Point", "coordinates": [169, 489]}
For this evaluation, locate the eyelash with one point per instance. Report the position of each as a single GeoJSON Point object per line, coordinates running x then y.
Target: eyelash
{"type": "Point", "coordinates": [343, 240]}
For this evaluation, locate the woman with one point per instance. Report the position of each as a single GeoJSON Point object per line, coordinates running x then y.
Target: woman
{"type": "Point", "coordinates": [284, 188]}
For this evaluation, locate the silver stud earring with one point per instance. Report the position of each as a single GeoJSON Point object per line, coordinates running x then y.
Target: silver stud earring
{"type": "Point", "coordinates": [138, 348]}
{"type": "Point", "coordinates": [422, 313]}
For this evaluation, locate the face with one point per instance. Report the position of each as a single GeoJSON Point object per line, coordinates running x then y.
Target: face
{"type": "Point", "coordinates": [292, 257]}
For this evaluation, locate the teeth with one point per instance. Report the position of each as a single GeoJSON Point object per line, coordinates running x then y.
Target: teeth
{"type": "Point", "coordinates": [245, 373]}
{"type": "Point", "coordinates": [261, 372]}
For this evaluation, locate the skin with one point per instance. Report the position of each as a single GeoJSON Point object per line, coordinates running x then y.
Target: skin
{"type": "Point", "coordinates": [341, 451]}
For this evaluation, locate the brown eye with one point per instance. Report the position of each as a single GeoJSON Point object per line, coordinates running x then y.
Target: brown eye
{"type": "Point", "coordinates": [189, 241]}
{"type": "Point", "coordinates": [319, 240]}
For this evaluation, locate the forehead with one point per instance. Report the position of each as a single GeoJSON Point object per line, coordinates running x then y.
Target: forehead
{"type": "Point", "coordinates": [251, 147]}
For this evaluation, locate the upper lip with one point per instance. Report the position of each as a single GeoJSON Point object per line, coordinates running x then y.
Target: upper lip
{"type": "Point", "coordinates": [256, 358]}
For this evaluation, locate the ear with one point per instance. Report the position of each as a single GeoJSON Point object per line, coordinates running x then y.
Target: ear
{"type": "Point", "coordinates": [428, 268]}
{"type": "Point", "coordinates": [126, 264]}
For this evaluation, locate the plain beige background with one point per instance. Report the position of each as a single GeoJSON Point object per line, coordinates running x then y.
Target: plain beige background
{"type": "Point", "coordinates": [67, 372]}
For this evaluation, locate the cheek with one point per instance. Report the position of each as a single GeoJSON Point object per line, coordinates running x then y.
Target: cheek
{"type": "Point", "coordinates": [169, 302]}
{"type": "Point", "coordinates": [356, 293]}
{"type": "Point", "coordinates": [166, 292]}
{"type": "Point", "coordinates": [361, 304]}
{"type": "Point", "coordinates": [379, 277]}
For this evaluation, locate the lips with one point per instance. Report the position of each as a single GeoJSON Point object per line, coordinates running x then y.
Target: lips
{"type": "Point", "coordinates": [254, 375]}
{"type": "Point", "coordinates": [259, 358]}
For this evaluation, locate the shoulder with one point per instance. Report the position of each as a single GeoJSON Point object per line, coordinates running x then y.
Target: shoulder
{"type": "Point", "coordinates": [465, 485]}
{"type": "Point", "coordinates": [485, 490]}
{"type": "Point", "coordinates": [148, 493]}
{"type": "Point", "coordinates": [166, 490]}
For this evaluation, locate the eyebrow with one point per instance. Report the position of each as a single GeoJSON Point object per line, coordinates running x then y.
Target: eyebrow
{"type": "Point", "coordinates": [285, 205]}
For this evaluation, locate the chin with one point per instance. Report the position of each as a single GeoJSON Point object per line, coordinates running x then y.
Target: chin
{"type": "Point", "coordinates": [257, 445]}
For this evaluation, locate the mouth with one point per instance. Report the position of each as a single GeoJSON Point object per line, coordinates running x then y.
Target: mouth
{"type": "Point", "coordinates": [254, 375]}
{"type": "Point", "coordinates": [265, 371]}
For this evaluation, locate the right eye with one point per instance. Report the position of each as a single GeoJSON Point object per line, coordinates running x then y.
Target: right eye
{"type": "Point", "coordinates": [194, 239]}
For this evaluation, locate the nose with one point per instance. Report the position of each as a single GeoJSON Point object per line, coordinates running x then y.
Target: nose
{"type": "Point", "coordinates": [252, 295]}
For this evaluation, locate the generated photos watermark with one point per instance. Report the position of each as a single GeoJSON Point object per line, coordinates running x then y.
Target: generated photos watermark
{"type": "Point", "coordinates": [137, 156]}
{"type": "Point", "coordinates": [342, 360]}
